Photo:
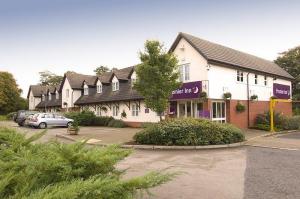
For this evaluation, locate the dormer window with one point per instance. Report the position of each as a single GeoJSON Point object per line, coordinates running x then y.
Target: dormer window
{"type": "Point", "coordinates": [85, 89]}
{"type": "Point", "coordinates": [49, 96]}
{"type": "Point", "coordinates": [57, 95]}
{"type": "Point", "coordinates": [99, 87]}
{"type": "Point", "coordinates": [43, 97]}
{"type": "Point", "coordinates": [115, 86]}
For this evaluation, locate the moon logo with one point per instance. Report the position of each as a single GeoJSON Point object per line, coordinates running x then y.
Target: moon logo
{"type": "Point", "coordinates": [196, 89]}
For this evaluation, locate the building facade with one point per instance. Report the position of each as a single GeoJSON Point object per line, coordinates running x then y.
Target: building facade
{"type": "Point", "coordinates": [208, 72]}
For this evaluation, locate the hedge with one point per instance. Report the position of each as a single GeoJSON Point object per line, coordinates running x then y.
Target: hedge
{"type": "Point", "coordinates": [189, 131]}
{"type": "Point", "coordinates": [88, 118]}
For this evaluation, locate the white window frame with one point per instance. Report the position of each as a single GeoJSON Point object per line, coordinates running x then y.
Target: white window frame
{"type": "Point", "coordinates": [135, 110]}
{"type": "Point", "coordinates": [265, 80]}
{"type": "Point", "coordinates": [85, 90]}
{"type": "Point", "coordinates": [57, 95]}
{"type": "Point", "coordinates": [99, 88]}
{"type": "Point", "coordinates": [98, 111]}
{"type": "Point", "coordinates": [43, 97]}
{"type": "Point", "coordinates": [115, 110]}
{"type": "Point", "coordinates": [219, 117]}
{"type": "Point", "coordinates": [255, 79]}
{"type": "Point", "coordinates": [115, 86]}
{"type": "Point", "coordinates": [239, 76]}
{"type": "Point", "coordinates": [184, 71]}
{"type": "Point", "coordinates": [49, 97]}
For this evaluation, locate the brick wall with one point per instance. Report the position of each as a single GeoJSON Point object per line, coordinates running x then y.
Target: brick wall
{"type": "Point", "coordinates": [256, 107]}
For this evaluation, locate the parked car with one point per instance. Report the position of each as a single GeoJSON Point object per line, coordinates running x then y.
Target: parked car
{"type": "Point", "coordinates": [22, 115]}
{"type": "Point", "coordinates": [43, 120]}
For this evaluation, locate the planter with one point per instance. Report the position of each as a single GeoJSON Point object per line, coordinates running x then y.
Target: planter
{"type": "Point", "coordinates": [73, 131]}
{"type": "Point", "coordinates": [227, 96]}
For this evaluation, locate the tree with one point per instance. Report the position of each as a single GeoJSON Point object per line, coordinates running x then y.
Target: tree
{"type": "Point", "coordinates": [157, 76]}
{"type": "Point", "coordinates": [10, 99]}
{"type": "Point", "coordinates": [290, 61]}
{"type": "Point", "coordinates": [100, 70]}
{"type": "Point", "coordinates": [48, 78]}
{"type": "Point", "coordinates": [54, 170]}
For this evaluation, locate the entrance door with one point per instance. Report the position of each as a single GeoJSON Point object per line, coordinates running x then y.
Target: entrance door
{"type": "Point", "coordinates": [218, 111]}
{"type": "Point", "coordinates": [181, 111]}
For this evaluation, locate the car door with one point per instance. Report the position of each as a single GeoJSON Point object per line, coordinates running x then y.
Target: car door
{"type": "Point", "coordinates": [60, 120]}
{"type": "Point", "coordinates": [49, 118]}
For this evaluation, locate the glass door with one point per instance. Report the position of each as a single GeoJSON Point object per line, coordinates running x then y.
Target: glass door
{"type": "Point", "coordinates": [218, 111]}
{"type": "Point", "coordinates": [181, 110]}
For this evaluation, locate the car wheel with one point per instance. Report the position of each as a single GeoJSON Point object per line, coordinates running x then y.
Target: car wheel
{"type": "Point", "coordinates": [42, 125]}
{"type": "Point", "coordinates": [69, 124]}
{"type": "Point", "coordinates": [21, 123]}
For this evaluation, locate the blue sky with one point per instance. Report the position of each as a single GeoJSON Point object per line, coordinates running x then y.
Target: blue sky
{"type": "Point", "coordinates": [78, 35]}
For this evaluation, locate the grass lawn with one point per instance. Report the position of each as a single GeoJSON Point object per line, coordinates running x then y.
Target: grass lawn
{"type": "Point", "coordinates": [3, 117]}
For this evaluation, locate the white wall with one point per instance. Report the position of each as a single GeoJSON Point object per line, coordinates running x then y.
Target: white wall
{"type": "Point", "coordinates": [73, 94]}
{"type": "Point", "coordinates": [198, 64]}
{"type": "Point", "coordinates": [33, 103]}
{"type": "Point", "coordinates": [142, 116]}
{"type": "Point", "coordinates": [222, 79]}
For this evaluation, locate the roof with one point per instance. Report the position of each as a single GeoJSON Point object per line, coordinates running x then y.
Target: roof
{"type": "Point", "coordinates": [37, 90]}
{"type": "Point", "coordinates": [105, 77]}
{"type": "Point", "coordinates": [124, 93]}
{"type": "Point", "coordinates": [76, 79]}
{"type": "Point", "coordinates": [124, 73]}
{"type": "Point", "coordinates": [53, 89]}
{"type": "Point", "coordinates": [51, 103]}
{"type": "Point", "coordinates": [215, 53]}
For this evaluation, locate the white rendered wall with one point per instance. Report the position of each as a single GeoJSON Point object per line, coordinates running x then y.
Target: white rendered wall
{"type": "Point", "coordinates": [73, 94]}
{"type": "Point", "coordinates": [36, 101]}
{"type": "Point", "coordinates": [198, 64]}
{"type": "Point", "coordinates": [222, 79]}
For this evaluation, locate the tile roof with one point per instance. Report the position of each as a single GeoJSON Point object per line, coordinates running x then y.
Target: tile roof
{"type": "Point", "coordinates": [51, 103]}
{"type": "Point", "coordinates": [124, 73]}
{"type": "Point", "coordinates": [76, 79]}
{"type": "Point", "coordinates": [215, 53]}
{"type": "Point", "coordinates": [105, 77]}
{"type": "Point", "coordinates": [124, 93]}
{"type": "Point", "coordinates": [37, 90]}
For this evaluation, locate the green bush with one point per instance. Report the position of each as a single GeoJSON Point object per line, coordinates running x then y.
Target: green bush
{"type": "Point", "coordinates": [116, 123]}
{"type": "Point", "coordinates": [262, 121]}
{"type": "Point", "coordinates": [292, 123]}
{"type": "Point", "coordinates": [189, 131]}
{"type": "Point", "coordinates": [102, 120]}
{"type": "Point", "coordinates": [10, 116]}
{"type": "Point", "coordinates": [55, 170]}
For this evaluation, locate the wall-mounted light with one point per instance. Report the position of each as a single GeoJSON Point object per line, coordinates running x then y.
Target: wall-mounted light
{"type": "Point", "coordinates": [207, 67]}
{"type": "Point", "coordinates": [182, 48]}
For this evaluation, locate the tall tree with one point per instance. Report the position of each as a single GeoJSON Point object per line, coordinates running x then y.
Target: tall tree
{"type": "Point", "coordinates": [10, 99]}
{"type": "Point", "coordinates": [290, 61]}
{"type": "Point", "coordinates": [48, 78]}
{"type": "Point", "coordinates": [157, 76]}
{"type": "Point", "coordinates": [101, 69]}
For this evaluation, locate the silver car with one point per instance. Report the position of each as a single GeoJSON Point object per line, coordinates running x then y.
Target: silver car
{"type": "Point", "coordinates": [43, 120]}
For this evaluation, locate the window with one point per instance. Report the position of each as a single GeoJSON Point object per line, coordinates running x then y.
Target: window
{"type": "Point", "coordinates": [218, 112]}
{"type": "Point", "coordinates": [99, 88]}
{"type": "Point", "coordinates": [133, 80]}
{"type": "Point", "coordinates": [49, 96]}
{"type": "Point", "coordinates": [184, 71]}
{"type": "Point", "coordinates": [43, 97]}
{"type": "Point", "coordinates": [67, 93]}
{"type": "Point", "coordinates": [135, 110]}
{"type": "Point", "coordinates": [255, 79]}
{"type": "Point", "coordinates": [115, 86]}
{"type": "Point", "coordinates": [115, 110]}
{"type": "Point", "coordinates": [85, 90]}
{"type": "Point", "coordinates": [57, 95]}
{"type": "Point", "coordinates": [265, 81]}
{"type": "Point", "coordinates": [239, 76]}
{"type": "Point", "coordinates": [98, 111]}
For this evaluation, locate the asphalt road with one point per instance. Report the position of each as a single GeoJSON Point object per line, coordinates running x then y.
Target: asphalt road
{"type": "Point", "coordinates": [272, 173]}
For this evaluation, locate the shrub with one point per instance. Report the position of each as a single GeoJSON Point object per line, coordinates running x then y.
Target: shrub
{"type": "Point", "coordinates": [240, 107]}
{"type": "Point", "coordinates": [146, 124]}
{"type": "Point", "coordinates": [253, 97]}
{"type": "Point", "coordinates": [292, 123]}
{"type": "Point", "coordinates": [116, 123]}
{"type": "Point", "coordinates": [10, 116]}
{"type": "Point", "coordinates": [263, 120]}
{"type": "Point", "coordinates": [84, 118]}
{"type": "Point", "coordinates": [102, 120]}
{"type": "Point", "coordinates": [189, 131]}
{"type": "Point", "coordinates": [227, 95]}
{"type": "Point", "coordinates": [56, 170]}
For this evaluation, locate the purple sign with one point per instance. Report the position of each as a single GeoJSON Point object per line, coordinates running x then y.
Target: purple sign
{"type": "Point", "coordinates": [187, 91]}
{"type": "Point", "coordinates": [281, 91]}
{"type": "Point", "coordinates": [204, 113]}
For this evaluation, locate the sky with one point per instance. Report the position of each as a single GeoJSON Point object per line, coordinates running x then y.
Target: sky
{"type": "Point", "coordinates": [79, 35]}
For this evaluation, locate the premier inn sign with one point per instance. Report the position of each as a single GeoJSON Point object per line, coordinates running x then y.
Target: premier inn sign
{"type": "Point", "coordinates": [281, 91]}
{"type": "Point", "coordinates": [187, 91]}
